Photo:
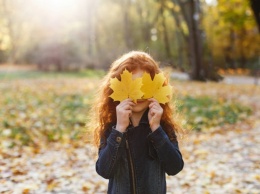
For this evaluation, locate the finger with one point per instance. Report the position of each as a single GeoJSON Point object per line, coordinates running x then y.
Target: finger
{"type": "Point", "coordinates": [129, 104]}
{"type": "Point", "coordinates": [151, 121]}
{"type": "Point", "coordinates": [122, 109]}
{"type": "Point", "coordinates": [155, 111]}
{"type": "Point", "coordinates": [132, 103]}
{"type": "Point", "coordinates": [153, 100]}
{"type": "Point", "coordinates": [152, 112]}
{"type": "Point", "coordinates": [124, 112]}
{"type": "Point", "coordinates": [129, 113]}
{"type": "Point", "coordinates": [127, 107]}
{"type": "Point", "coordinates": [154, 104]}
{"type": "Point", "coordinates": [126, 101]}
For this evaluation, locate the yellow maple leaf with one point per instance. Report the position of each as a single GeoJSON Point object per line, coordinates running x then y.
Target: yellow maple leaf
{"type": "Point", "coordinates": [126, 88]}
{"type": "Point", "coordinates": [155, 89]}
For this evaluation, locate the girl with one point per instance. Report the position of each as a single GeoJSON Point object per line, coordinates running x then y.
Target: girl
{"type": "Point", "coordinates": [135, 153]}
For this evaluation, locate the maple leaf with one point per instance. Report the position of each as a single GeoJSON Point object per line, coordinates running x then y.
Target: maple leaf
{"type": "Point", "coordinates": [126, 88]}
{"type": "Point", "coordinates": [155, 89]}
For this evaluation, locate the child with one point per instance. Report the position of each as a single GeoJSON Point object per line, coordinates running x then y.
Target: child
{"type": "Point", "coordinates": [137, 140]}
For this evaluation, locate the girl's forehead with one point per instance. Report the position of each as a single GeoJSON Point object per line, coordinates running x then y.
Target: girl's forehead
{"type": "Point", "coordinates": [137, 70]}
{"type": "Point", "coordinates": [137, 73]}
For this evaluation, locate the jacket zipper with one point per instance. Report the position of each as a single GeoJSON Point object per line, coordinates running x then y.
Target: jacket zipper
{"type": "Point", "coordinates": [131, 165]}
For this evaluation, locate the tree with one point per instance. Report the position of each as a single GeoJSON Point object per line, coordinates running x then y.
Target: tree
{"type": "Point", "coordinates": [191, 12]}
{"type": "Point", "coordinates": [255, 5]}
{"type": "Point", "coordinates": [234, 41]}
{"type": "Point", "coordinates": [10, 26]}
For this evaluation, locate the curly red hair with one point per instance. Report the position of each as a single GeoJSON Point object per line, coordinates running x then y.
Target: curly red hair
{"type": "Point", "coordinates": [103, 113]}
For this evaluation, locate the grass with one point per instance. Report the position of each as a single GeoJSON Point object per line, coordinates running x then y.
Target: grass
{"type": "Point", "coordinates": [37, 111]}
{"type": "Point", "coordinates": [14, 75]}
{"type": "Point", "coordinates": [205, 112]}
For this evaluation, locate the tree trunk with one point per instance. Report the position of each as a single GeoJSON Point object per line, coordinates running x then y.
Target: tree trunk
{"type": "Point", "coordinates": [145, 25]}
{"type": "Point", "coordinates": [242, 57]}
{"type": "Point", "coordinates": [195, 44]}
{"type": "Point", "coordinates": [180, 35]}
{"type": "Point", "coordinates": [190, 10]}
{"type": "Point", "coordinates": [90, 28]}
{"type": "Point", "coordinates": [255, 5]}
{"type": "Point", "coordinates": [127, 24]}
{"type": "Point", "coordinates": [229, 50]}
{"type": "Point", "coordinates": [9, 20]}
{"type": "Point", "coordinates": [165, 34]}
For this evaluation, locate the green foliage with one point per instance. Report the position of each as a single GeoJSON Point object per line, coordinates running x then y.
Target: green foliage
{"type": "Point", "coordinates": [84, 33]}
{"type": "Point", "coordinates": [39, 74]}
{"type": "Point", "coordinates": [42, 111]}
{"type": "Point", "coordinates": [205, 112]}
{"type": "Point", "coordinates": [234, 40]}
{"type": "Point", "coordinates": [38, 111]}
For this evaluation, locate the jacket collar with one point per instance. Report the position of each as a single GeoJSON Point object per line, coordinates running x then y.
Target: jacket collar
{"type": "Point", "coordinates": [144, 118]}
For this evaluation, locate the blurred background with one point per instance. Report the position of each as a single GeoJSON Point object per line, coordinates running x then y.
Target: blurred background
{"type": "Point", "coordinates": [54, 53]}
{"type": "Point", "coordinates": [199, 37]}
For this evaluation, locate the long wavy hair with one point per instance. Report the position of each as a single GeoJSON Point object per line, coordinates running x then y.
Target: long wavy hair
{"type": "Point", "coordinates": [103, 112]}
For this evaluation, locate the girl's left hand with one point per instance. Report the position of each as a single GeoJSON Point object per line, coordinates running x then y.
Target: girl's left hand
{"type": "Point", "coordinates": [154, 114]}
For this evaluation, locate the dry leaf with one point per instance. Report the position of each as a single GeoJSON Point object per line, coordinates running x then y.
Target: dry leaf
{"type": "Point", "coordinates": [26, 191]}
{"type": "Point", "coordinates": [126, 88]}
{"type": "Point", "coordinates": [155, 89]}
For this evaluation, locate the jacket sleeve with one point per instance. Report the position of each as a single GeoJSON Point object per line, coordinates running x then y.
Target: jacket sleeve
{"type": "Point", "coordinates": [167, 151]}
{"type": "Point", "coordinates": [108, 154]}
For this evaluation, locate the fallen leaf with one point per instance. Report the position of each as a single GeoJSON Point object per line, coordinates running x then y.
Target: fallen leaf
{"type": "Point", "coordinates": [26, 191]}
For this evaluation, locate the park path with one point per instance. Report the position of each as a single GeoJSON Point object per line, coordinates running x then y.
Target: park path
{"type": "Point", "coordinates": [215, 163]}
{"type": "Point", "coordinates": [224, 159]}
{"type": "Point", "coordinates": [220, 162]}
{"type": "Point", "coordinates": [228, 79]}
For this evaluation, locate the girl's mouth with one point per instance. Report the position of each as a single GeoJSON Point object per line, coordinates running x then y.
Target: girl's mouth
{"type": "Point", "coordinates": [140, 101]}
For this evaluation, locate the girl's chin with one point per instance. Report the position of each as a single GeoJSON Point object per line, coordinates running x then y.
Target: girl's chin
{"type": "Point", "coordinates": [140, 106]}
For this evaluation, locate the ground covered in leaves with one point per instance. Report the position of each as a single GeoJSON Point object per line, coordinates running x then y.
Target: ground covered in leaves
{"type": "Point", "coordinates": [40, 153]}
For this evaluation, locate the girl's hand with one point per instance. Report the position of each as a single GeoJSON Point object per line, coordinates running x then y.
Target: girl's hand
{"type": "Point", "coordinates": [154, 114]}
{"type": "Point", "coordinates": [123, 112]}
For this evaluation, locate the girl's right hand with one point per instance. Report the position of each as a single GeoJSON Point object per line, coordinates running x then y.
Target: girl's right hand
{"type": "Point", "coordinates": [123, 112]}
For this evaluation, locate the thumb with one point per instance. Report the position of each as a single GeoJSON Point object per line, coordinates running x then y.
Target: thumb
{"type": "Point", "coordinates": [151, 121]}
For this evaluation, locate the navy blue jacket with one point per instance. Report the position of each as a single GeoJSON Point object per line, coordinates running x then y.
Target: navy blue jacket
{"type": "Point", "coordinates": [135, 162]}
